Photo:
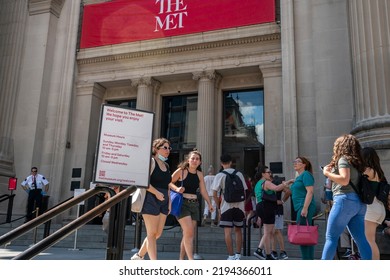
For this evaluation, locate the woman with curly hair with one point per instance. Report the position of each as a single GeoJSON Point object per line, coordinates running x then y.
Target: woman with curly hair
{"type": "Point", "coordinates": [348, 210]}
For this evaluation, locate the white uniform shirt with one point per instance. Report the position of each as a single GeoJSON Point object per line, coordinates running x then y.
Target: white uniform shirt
{"type": "Point", "coordinates": [208, 181]}
{"type": "Point", "coordinates": [39, 179]}
{"type": "Point", "coordinates": [219, 183]}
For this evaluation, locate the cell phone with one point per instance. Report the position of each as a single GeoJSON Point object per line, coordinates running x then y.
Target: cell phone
{"type": "Point", "coordinates": [322, 168]}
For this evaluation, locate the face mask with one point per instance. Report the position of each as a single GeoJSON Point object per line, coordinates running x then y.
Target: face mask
{"type": "Point", "coordinates": [162, 158]}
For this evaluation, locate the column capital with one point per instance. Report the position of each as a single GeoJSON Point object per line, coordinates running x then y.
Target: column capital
{"type": "Point", "coordinates": [36, 7]}
{"type": "Point", "coordinates": [271, 68]}
{"type": "Point", "coordinates": [205, 75]}
{"type": "Point", "coordinates": [144, 81]}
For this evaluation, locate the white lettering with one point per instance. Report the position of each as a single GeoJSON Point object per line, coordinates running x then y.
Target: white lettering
{"type": "Point", "coordinates": [168, 23]}
{"type": "Point", "coordinates": [172, 20]}
{"type": "Point", "coordinates": [178, 5]}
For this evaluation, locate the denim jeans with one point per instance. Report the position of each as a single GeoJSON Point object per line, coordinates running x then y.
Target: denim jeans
{"type": "Point", "coordinates": [347, 210]}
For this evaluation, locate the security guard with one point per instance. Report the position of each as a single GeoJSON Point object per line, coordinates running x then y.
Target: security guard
{"type": "Point", "coordinates": [36, 187]}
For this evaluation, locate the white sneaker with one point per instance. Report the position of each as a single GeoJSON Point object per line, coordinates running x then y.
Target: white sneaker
{"type": "Point", "coordinates": [136, 257]}
{"type": "Point", "coordinates": [231, 258]}
{"type": "Point", "coordinates": [237, 256]}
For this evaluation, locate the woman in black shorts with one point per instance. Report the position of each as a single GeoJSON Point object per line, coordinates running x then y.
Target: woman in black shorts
{"type": "Point", "coordinates": [156, 205]}
{"type": "Point", "coordinates": [266, 209]}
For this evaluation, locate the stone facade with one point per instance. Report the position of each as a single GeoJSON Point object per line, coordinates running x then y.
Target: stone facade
{"type": "Point", "coordinates": [320, 80]}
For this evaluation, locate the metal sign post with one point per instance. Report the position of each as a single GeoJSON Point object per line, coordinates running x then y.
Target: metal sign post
{"type": "Point", "coordinates": [77, 192]}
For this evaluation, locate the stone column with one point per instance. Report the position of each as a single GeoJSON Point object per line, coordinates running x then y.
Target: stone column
{"type": "Point", "coordinates": [371, 67]}
{"type": "Point", "coordinates": [36, 77]}
{"type": "Point", "coordinates": [87, 109]}
{"type": "Point", "coordinates": [273, 112]}
{"type": "Point", "coordinates": [146, 87]}
{"type": "Point", "coordinates": [13, 22]}
{"type": "Point", "coordinates": [205, 133]}
{"type": "Point", "coordinates": [289, 82]}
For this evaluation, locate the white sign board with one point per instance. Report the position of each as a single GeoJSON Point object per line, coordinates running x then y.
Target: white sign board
{"type": "Point", "coordinates": [124, 147]}
{"type": "Point", "coordinates": [78, 192]}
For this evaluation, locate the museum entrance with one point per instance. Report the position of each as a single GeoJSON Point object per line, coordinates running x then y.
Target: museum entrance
{"type": "Point", "coordinates": [243, 128]}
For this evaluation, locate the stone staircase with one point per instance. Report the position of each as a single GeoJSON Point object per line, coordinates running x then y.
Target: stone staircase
{"type": "Point", "coordinates": [210, 239]}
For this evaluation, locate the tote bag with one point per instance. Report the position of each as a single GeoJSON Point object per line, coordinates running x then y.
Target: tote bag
{"type": "Point", "coordinates": [302, 234]}
{"type": "Point", "coordinates": [176, 203]}
{"type": "Point", "coordinates": [176, 199]}
{"type": "Point", "coordinates": [138, 199]}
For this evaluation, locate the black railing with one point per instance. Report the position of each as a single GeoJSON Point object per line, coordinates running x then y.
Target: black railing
{"type": "Point", "coordinates": [247, 235]}
{"type": "Point", "coordinates": [117, 222]}
{"type": "Point", "coordinates": [10, 198]}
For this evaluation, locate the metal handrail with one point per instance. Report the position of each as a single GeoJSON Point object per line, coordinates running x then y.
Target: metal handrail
{"type": "Point", "coordinates": [72, 226]}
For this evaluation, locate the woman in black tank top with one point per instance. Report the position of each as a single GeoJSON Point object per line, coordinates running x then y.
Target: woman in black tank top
{"type": "Point", "coordinates": [156, 205]}
{"type": "Point", "coordinates": [189, 172]}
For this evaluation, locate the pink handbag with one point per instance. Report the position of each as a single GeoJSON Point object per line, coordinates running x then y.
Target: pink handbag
{"type": "Point", "coordinates": [302, 234]}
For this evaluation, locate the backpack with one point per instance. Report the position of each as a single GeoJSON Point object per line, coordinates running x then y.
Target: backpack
{"type": "Point", "coordinates": [364, 189]}
{"type": "Point", "coordinates": [234, 190]}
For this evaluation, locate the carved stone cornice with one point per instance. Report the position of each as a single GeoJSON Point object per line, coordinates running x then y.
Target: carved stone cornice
{"type": "Point", "coordinates": [36, 7]}
{"type": "Point", "coordinates": [175, 50]}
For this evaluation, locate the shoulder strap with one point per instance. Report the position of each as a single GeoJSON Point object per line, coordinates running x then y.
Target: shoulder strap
{"type": "Point", "coordinates": [353, 186]}
{"type": "Point", "coordinates": [262, 186]}
{"type": "Point", "coordinates": [152, 166]}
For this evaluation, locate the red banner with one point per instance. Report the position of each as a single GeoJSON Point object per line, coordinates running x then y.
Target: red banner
{"type": "Point", "coordinates": [123, 21]}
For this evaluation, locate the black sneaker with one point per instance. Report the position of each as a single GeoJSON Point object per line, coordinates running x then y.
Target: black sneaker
{"type": "Point", "coordinates": [259, 253]}
{"type": "Point", "coordinates": [269, 257]}
{"type": "Point", "coordinates": [274, 255]}
{"type": "Point", "coordinates": [283, 255]}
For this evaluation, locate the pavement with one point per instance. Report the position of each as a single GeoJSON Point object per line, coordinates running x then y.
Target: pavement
{"type": "Point", "coordinates": [56, 253]}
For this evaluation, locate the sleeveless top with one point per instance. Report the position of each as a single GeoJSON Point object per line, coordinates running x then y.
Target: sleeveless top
{"type": "Point", "coordinates": [259, 191]}
{"type": "Point", "coordinates": [160, 179]}
{"type": "Point", "coordinates": [190, 183]}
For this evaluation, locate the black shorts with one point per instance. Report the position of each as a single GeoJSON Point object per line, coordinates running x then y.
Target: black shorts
{"type": "Point", "coordinates": [153, 206]}
{"type": "Point", "coordinates": [233, 217]}
{"type": "Point", "coordinates": [266, 211]}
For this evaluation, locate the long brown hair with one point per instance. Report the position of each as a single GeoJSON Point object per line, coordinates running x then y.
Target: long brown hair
{"type": "Point", "coordinates": [348, 146]}
{"type": "Point", "coordinates": [371, 159]}
{"type": "Point", "coordinates": [185, 164]}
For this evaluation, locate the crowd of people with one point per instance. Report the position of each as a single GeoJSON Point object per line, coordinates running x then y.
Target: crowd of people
{"type": "Point", "coordinates": [265, 196]}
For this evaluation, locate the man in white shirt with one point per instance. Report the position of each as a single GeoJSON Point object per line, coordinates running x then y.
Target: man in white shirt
{"type": "Point", "coordinates": [36, 187]}
{"type": "Point", "coordinates": [208, 181]}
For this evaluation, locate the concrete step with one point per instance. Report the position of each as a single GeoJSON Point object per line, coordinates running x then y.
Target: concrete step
{"type": "Point", "coordinates": [210, 239]}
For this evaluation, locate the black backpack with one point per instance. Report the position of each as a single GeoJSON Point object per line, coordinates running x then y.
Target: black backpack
{"type": "Point", "coordinates": [234, 190]}
{"type": "Point", "coordinates": [365, 190]}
